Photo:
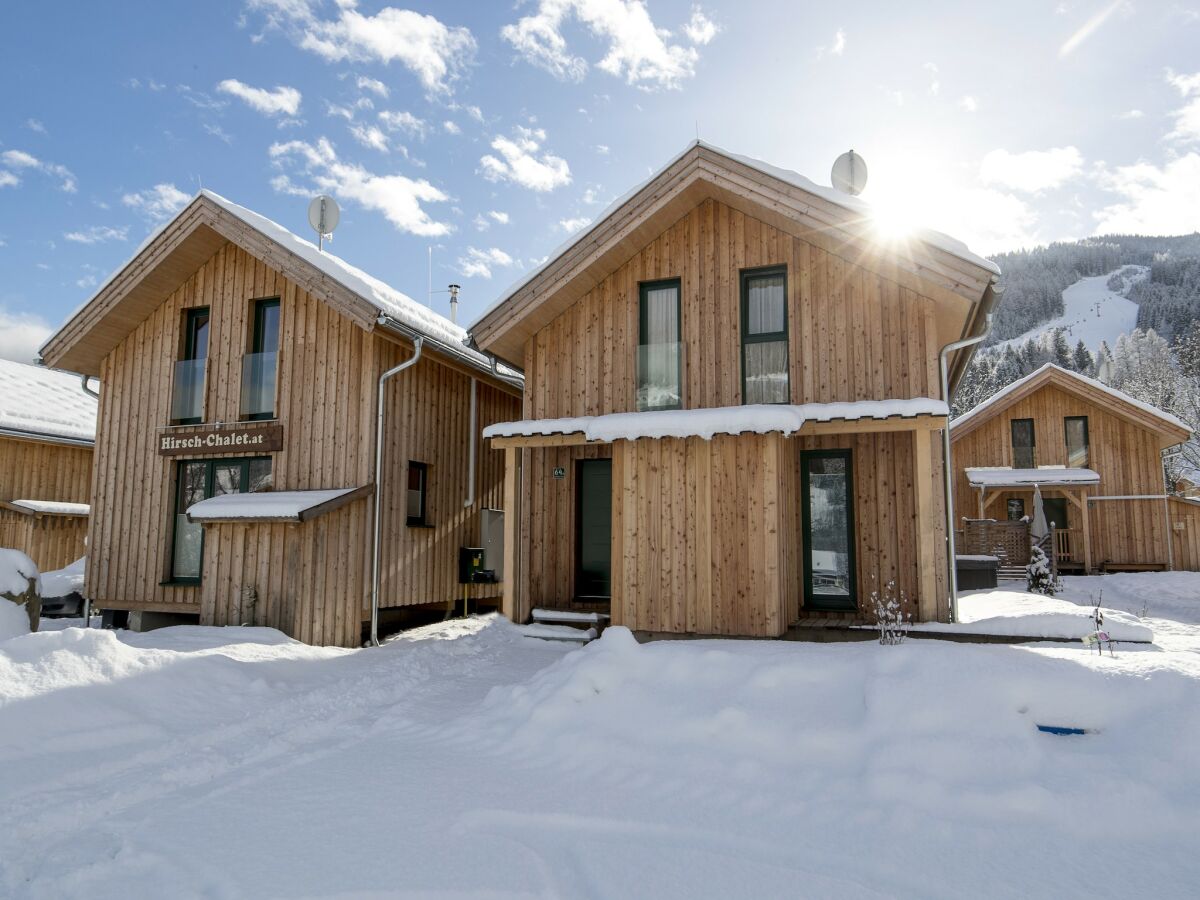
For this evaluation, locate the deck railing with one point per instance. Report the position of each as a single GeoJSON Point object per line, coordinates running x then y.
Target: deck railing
{"type": "Point", "coordinates": [258, 385]}
{"type": "Point", "coordinates": [187, 393]}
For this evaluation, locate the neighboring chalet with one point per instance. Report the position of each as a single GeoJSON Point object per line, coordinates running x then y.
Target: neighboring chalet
{"type": "Point", "coordinates": [235, 471]}
{"type": "Point", "coordinates": [732, 407]}
{"type": "Point", "coordinates": [47, 431]}
{"type": "Point", "coordinates": [1096, 456]}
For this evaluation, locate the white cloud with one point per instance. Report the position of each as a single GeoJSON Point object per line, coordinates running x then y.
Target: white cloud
{"type": "Point", "coordinates": [935, 86]}
{"type": "Point", "coordinates": [158, 203]}
{"type": "Point", "coordinates": [1131, 114]}
{"type": "Point", "coordinates": [451, 127]}
{"type": "Point", "coordinates": [480, 223]}
{"type": "Point", "coordinates": [497, 216]}
{"type": "Point", "coordinates": [602, 149]}
{"type": "Point", "coordinates": [98, 234]}
{"type": "Point", "coordinates": [968, 103]}
{"type": "Point", "coordinates": [435, 53]}
{"type": "Point", "coordinates": [372, 84]}
{"type": "Point", "coordinates": [478, 263]}
{"type": "Point", "coordinates": [403, 121]}
{"type": "Point", "coordinates": [88, 281]}
{"type": "Point", "coordinates": [1154, 199]}
{"type": "Point", "coordinates": [35, 125]}
{"type": "Point", "coordinates": [637, 50]}
{"type": "Point", "coordinates": [520, 163]}
{"type": "Point", "coordinates": [19, 159]}
{"type": "Point", "coordinates": [700, 29]}
{"type": "Point", "coordinates": [1033, 171]}
{"type": "Point", "coordinates": [397, 197]}
{"type": "Point", "coordinates": [8, 179]}
{"type": "Point", "coordinates": [370, 136]}
{"type": "Point", "coordinates": [280, 101]}
{"type": "Point", "coordinates": [570, 226]}
{"type": "Point", "coordinates": [837, 48]}
{"type": "Point", "coordinates": [21, 334]}
{"type": "Point", "coordinates": [1187, 117]}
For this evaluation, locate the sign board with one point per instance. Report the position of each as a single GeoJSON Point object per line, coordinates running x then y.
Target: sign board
{"type": "Point", "coordinates": [221, 440]}
{"type": "Point", "coordinates": [560, 472]}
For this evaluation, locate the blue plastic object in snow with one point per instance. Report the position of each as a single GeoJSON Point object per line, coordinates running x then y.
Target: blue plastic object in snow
{"type": "Point", "coordinates": [1060, 729]}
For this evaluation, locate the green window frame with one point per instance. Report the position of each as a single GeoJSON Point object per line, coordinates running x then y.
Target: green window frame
{"type": "Point", "coordinates": [254, 474]}
{"type": "Point", "coordinates": [1079, 455]}
{"type": "Point", "coordinates": [752, 352]}
{"type": "Point", "coordinates": [1024, 454]}
{"type": "Point", "coordinates": [417, 491]}
{"type": "Point", "coordinates": [654, 359]}
{"type": "Point", "coordinates": [826, 600]}
{"type": "Point", "coordinates": [195, 334]}
{"type": "Point", "coordinates": [194, 346]}
{"type": "Point", "coordinates": [264, 339]}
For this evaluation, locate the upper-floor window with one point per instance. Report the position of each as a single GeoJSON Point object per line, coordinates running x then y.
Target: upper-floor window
{"type": "Point", "coordinates": [659, 362]}
{"type": "Point", "coordinates": [187, 397]}
{"type": "Point", "coordinates": [1076, 429]}
{"type": "Point", "coordinates": [260, 365]}
{"type": "Point", "coordinates": [764, 336]}
{"type": "Point", "coordinates": [418, 484]}
{"type": "Point", "coordinates": [1023, 444]}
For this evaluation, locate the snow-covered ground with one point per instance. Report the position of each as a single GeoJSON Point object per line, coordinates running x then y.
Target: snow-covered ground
{"type": "Point", "coordinates": [468, 760]}
{"type": "Point", "coordinates": [1091, 312]}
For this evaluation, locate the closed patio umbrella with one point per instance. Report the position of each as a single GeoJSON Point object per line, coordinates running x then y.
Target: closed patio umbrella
{"type": "Point", "coordinates": [1038, 529]}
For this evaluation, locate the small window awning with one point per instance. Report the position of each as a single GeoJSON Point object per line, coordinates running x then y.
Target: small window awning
{"type": "Point", "coordinates": [273, 506]}
{"type": "Point", "coordinates": [786, 419]}
{"type": "Point", "coordinates": [1050, 476]}
{"type": "Point", "coordinates": [41, 508]}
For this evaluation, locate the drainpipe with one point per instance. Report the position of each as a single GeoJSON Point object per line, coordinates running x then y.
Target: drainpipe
{"type": "Point", "coordinates": [83, 383]}
{"type": "Point", "coordinates": [947, 472]}
{"type": "Point", "coordinates": [470, 501]}
{"type": "Point", "coordinates": [418, 343]}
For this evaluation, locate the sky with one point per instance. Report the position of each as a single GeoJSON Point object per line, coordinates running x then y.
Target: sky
{"type": "Point", "coordinates": [482, 135]}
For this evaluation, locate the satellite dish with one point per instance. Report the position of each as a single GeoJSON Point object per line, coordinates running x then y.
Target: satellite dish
{"type": "Point", "coordinates": [849, 173]}
{"type": "Point", "coordinates": [323, 216]}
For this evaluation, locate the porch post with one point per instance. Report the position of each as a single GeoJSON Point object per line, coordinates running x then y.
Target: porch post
{"type": "Point", "coordinates": [512, 528]}
{"type": "Point", "coordinates": [929, 605]}
{"type": "Point", "coordinates": [1087, 533]}
{"type": "Point", "coordinates": [982, 489]}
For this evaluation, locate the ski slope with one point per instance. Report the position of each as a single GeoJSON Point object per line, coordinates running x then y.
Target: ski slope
{"type": "Point", "coordinates": [1091, 312]}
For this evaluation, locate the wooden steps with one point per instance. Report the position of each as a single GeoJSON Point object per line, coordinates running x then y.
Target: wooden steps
{"type": "Point", "coordinates": [566, 625]}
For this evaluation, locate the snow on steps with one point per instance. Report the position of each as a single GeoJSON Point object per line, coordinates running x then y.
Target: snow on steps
{"type": "Point", "coordinates": [566, 625]}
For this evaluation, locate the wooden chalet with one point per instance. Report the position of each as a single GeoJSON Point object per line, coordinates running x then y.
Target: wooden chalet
{"type": "Point", "coordinates": [1096, 456]}
{"type": "Point", "coordinates": [47, 432]}
{"type": "Point", "coordinates": [235, 477]}
{"type": "Point", "coordinates": [732, 407]}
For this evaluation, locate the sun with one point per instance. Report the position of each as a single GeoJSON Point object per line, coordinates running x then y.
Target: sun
{"type": "Point", "coordinates": [892, 221]}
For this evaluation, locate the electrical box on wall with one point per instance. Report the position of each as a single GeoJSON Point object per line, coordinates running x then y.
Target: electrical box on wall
{"type": "Point", "coordinates": [470, 567]}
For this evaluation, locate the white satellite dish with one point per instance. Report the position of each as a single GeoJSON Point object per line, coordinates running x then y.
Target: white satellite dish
{"type": "Point", "coordinates": [323, 216]}
{"type": "Point", "coordinates": [849, 173]}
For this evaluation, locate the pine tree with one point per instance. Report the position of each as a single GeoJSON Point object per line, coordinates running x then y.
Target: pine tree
{"type": "Point", "coordinates": [1060, 350]}
{"type": "Point", "coordinates": [1082, 361]}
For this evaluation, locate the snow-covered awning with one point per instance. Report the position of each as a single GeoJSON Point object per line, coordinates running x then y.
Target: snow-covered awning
{"type": "Point", "coordinates": [704, 423]}
{"type": "Point", "coordinates": [47, 508]}
{"type": "Point", "coordinates": [273, 506]}
{"type": "Point", "coordinates": [1049, 476]}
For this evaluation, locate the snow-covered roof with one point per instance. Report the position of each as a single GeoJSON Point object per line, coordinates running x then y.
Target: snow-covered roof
{"type": "Point", "coordinates": [52, 507]}
{"type": "Point", "coordinates": [45, 403]}
{"type": "Point", "coordinates": [937, 239]}
{"type": "Point", "coordinates": [1002, 476]}
{"type": "Point", "coordinates": [704, 423]}
{"type": "Point", "coordinates": [997, 399]}
{"type": "Point", "coordinates": [272, 506]}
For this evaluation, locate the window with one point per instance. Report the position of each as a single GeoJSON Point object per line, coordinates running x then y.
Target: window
{"type": "Point", "coordinates": [1016, 509]}
{"type": "Point", "coordinates": [827, 507]}
{"type": "Point", "coordinates": [1023, 444]}
{"type": "Point", "coordinates": [418, 482]}
{"type": "Point", "coordinates": [199, 479]}
{"type": "Point", "coordinates": [1076, 428]}
{"type": "Point", "coordinates": [260, 364]}
{"type": "Point", "coordinates": [764, 337]}
{"type": "Point", "coordinates": [187, 396]}
{"type": "Point", "coordinates": [659, 363]}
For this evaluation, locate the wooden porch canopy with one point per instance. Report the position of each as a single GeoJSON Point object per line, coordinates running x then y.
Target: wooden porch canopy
{"type": "Point", "coordinates": [40, 508]}
{"type": "Point", "coordinates": [274, 506]}
{"type": "Point", "coordinates": [1072, 483]}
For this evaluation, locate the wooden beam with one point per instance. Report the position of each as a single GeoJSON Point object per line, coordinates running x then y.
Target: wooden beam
{"type": "Point", "coordinates": [929, 604]}
{"type": "Point", "coordinates": [982, 492]}
{"type": "Point", "coordinates": [508, 603]}
{"type": "Point", "coordinates": [992, 499]}
{"type": "Point", "coordinates": [574, 439]}
{"type": "Point", "coordinates": [1087, 535]}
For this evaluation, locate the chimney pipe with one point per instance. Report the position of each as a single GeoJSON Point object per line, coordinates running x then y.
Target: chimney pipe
{"type": "Point", "coordinates": [454, 289]}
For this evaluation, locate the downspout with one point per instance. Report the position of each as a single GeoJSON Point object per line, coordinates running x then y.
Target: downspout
{"type": "Point", "coordinates": [83, 383]}
{"type": "Point", "coordinates": [470, 500]}
{"type": "Point", "coordinates": [418, 343]}
{"type": "Point", "coordinates": [947, 472]}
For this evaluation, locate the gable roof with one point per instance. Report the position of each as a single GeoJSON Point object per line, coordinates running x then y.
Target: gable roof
{"type": "Point", "coordinates": [1172, 430]}
{"type": "Point", "coordinates": [43, 404]}
{"type": "Point", "coordinates": [176, 250]}
{"type": "Point", "coordinates": [934, 263]}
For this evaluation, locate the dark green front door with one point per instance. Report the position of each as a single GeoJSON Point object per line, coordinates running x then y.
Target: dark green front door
{"type": "Point", "coordinates": [827, 502]}
{"type": "Point", "coordinates": [593, 529]}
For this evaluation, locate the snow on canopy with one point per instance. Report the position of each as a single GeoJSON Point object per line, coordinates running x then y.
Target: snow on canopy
{"type": "Point", "coordinates": [1002, 476]}
{"type": "Point", "coordinates": [274, 505]}
{"type": "Point", "coordinates": [45, 402]}
{"type": "Point", "coordinates": [704, 423]}
{"type": "Point", "coordinates": [53, 507]}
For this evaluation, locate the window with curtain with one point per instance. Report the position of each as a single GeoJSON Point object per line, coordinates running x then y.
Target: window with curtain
{"type": "Point", "coordinates": [416, 507]}
{"type": "Point", "coordinates": [1023, 444]}
{"type": "Point", "coordinates": [1076, 428]}
{"type": "Point", "coordinates": [659, 363]}
{"type": "Point", "coordinates": [764, 337]}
